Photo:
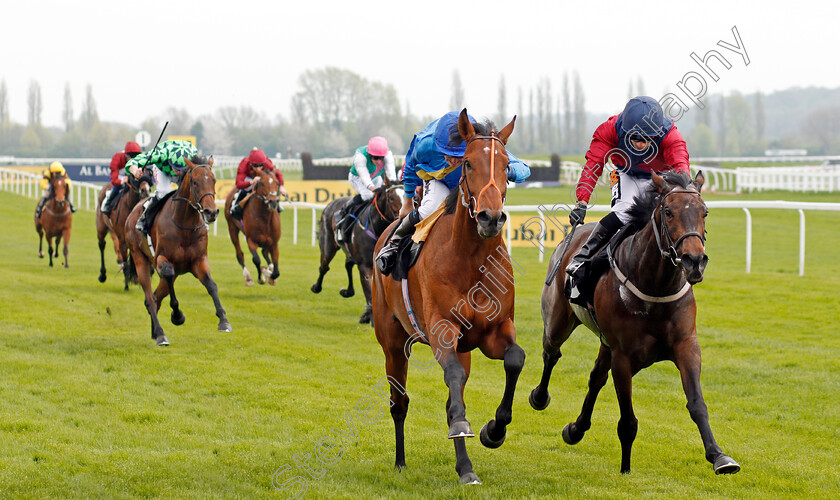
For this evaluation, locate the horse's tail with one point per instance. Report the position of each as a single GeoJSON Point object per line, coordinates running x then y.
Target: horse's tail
{"type": "Point", "coordinates": [129, 269]}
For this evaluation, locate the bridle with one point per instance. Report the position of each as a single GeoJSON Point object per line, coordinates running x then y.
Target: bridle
{"type": "Point", "coordinates": [266, 198]}
{"type": "Point", "coordinates": [668, 247]}
{"type": "Point", "coordinates": [192, 201]}
{"type": "Point", "coordinates": [387, 218]}
{"type": "Point", "coordinates": [472, 200]}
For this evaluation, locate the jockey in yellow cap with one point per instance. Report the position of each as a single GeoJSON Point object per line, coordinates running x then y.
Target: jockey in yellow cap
{"type": "Point", "coordinates": [55, 168]}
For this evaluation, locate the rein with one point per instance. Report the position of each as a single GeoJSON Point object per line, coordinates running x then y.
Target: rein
{"type": "Point", "coordinates": [472, 200]}
{"type": "Point", "coordinates": [195, 206]}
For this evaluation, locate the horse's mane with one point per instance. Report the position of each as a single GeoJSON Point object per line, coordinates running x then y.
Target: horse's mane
{"type": "Point", "coordinates": [200, 159]}
{"type": "Point", "coordinates": [644, 205]}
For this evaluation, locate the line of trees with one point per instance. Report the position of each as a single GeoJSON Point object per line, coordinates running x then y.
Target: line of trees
{"type": "Point", "coordinates": [335, 110]}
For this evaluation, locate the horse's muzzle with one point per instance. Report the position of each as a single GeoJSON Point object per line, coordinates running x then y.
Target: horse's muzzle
{"type": "Point", "coordinates": [490, 222]}
{"type": "Point", "coordinates": [210, 215]}
{"type": "Point", "coordinates": [694, 266]}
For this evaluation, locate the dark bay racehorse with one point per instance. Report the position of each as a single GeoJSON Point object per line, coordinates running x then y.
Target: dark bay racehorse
{"type": "Point", "coordinates": [261, 226]}
{"type": "Point", "coordinates": [462, 296]}
{"type": "Point", "coordinates": [645, 310]}
{"type": "Point", "coordinates": [114, 222]}
{"type": "Point", "coordinates": [372, 221]}
{"type": "Point", "coordinates": [56, 219]}
{"type": "Point", "coordinates": [179, 239]}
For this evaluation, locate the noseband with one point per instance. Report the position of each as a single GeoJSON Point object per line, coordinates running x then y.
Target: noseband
{"type": "Point", "coordinates": [668, 247]}
{"type": "Point", "coordinates": [472, 200]}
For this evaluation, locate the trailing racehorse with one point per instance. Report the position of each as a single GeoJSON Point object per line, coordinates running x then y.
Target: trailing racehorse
{"type": "Point", "coordinates": [644, 311]}
{"type": "Point", "coordinates": [179, 239]}
{"type": "Point", "coordinates": [56, 219]}
{"type": "Point", "coordinates": [459, 296]}
{"type": "Point", "coordinates": [114, 222]}
{"type": "Point", "coordinates": [261, 225]}
{"type": "Point", "coordinates": [370, 223]}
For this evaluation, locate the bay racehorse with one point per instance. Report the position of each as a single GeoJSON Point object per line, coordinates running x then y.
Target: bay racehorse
{"type": "Point", "coordinates": [462, 297]}
{"type": "Point", "coordinates": [261, 226]}
{"type": "Point", "coordinates": [113, 223]}
{"type": "Point", "coordinates": [644, 308]}
{"type": "Point", "coordinates": [56, 219]}
{"type": "Point", "coordinates": [358, 249]}
{"type": "Point", "coordinates": [179, 239]}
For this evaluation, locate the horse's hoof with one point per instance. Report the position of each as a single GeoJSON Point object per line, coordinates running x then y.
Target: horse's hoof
{"type": "Point", "coordinates": [315, 289]}
{"type": "Point", "coordinates": [460, 429]}
{"type": "Point", "coordinates": [725, 465]}
{"type": "Point", "coordinates": [41, 255]}
{"type": "Point", "coordinates": [262, 280]}
{"type": "Point", "coordinates": [470, 478]}
{"type": "Point", "coordinates": [178, 317]}
{"type": "Point", "coordinates": [488, 442]}
{"type": "Point", "coordinates": [347, 293]}
{"type": "Point", "coordinates": [249, 282]}
{"type": "Point", "coordinates": [102, 278]}
{"type": "Point", "coordinates": [224, 326]}
{"type": "Point", "coordinates": [272, 281]}
{"type": "Point", "coordinates": [161, 340]}
{"type": "Point", "coordinates": [399, 467]}
{"type": "Point", "coordinates": [364, 319]}
{"type": "Point", "coordinates": [535, 404]}
{"type": "Point", "coordinates": [567, 434]}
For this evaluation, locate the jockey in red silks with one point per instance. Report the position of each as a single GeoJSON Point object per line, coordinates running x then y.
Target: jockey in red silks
{"type": "Point", "coordinates": [637, 142]}
{"type": "Point", "coordinates": [247, 178]}
{"type": "Point", "coordinates": [118, 162]}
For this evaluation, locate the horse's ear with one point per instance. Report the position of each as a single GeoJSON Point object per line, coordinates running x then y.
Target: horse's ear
{"type": "Point", "coordinates": [658, 182]}
{"type": "Point", "coordinates": [387, 181]}
{"type": "Point", "coordinates": [465, 127]}
{"type": "Point", "coordinates": [504, 134]}
{"type": "Point", "coordinates": [190, 164]}
{"type": "Point", "coordinates": [699, 180]}
{"type": "Point", "coordinates": [210, 161]}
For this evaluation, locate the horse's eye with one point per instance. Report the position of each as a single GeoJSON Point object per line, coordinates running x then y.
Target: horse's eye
{"type": "Point", "coordinates": [467, 164]}
{"type": "Point", "coordinates": [705, 214]}
{"type": "Point", "coordinates": [668, 212]}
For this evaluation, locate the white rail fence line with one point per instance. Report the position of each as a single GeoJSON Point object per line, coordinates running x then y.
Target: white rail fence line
{"type": "Point", "coordinates": [84, 195]}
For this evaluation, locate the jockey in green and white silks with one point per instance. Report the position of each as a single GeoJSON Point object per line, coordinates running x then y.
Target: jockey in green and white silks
{"type": "Point", "coordinates": [168, 160]}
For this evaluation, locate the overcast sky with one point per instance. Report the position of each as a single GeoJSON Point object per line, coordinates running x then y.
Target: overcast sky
{"type": "Point", "coordinates": [142, 57]}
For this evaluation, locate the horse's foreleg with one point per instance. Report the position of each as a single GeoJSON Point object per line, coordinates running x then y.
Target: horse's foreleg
{"type": "Point", "coordinates": [255, 258]}
{"type": "Point", "coordinates": [50, 249]}
{"type": "Point", "coordinates": [144, 277]}
{"type": "Point", "coordinates": [102, 272]}
{"type": "Point", "coordinates": [167, 287]}
{"type": "Point", "coordinates": [201, 270]}
{"type": "Point", "coordinates": [326, 242]}
{"type": "Point", "coordinates": [349, 291]}
{"type": "Point", "coordinates": [40, 230]}
{"type": "Point", "coordinates": [233, 231]}
{"type": "Point", "coordinates": [574, 431]}
{"type": "Point", "coordinates": [687, 359]}
{"type": "Point", "coordinates": [66, 238]}
{"type": "Point", "coordinates": [365, 274]}
{"type": "Point", "coordinates": [628, 425]}
{"type": "Point", "coordinates": [558, 325]}
{"type": "Point", "coordinates": [275, 256]}
{"type": "Point", "coordinates": [492, 435]}
{"type": "Point", "coordinates": [463, 464]}
{"type": "Point", "coordinates": [396, 368]}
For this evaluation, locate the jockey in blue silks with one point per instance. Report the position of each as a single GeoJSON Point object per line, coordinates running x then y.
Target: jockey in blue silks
{"type": "Point", "coordinates": [433, 161]}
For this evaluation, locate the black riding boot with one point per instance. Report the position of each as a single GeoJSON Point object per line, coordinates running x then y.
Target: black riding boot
{"type": "Point", "coordinates": [578, 268]}
{"type": "Point", "coordinates": [107, 202]}
{"type": "Point", "coordinates": [40, 207]}
{"type": "Point", "coordinates": [387, 257]}
{"type": "Point", "coordinates": [142, 224]}
{"type": "Point", "coordinates": [236, 210]}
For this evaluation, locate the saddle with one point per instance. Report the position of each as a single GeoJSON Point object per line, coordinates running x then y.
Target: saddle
{"type": "Point", "coordinates": [409, 248]}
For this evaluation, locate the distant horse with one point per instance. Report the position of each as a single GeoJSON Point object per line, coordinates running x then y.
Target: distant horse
{"type": "Point", "coordinates": [114, 222]}
{"type": "Point", "coordinates": [461, 293]}
{"type": "Point", "coordinates": [261, 226]}
{"type": "Point", "coordinates": [372, 221]}
{"type": "Point", "coordinates": [179, 239]}
{"type": "Point", "coordinates": [56, 219]}
{"type": "Point", "coordinates": [663, 259]}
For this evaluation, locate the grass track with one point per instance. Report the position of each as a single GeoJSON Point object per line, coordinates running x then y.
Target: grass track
{"type": "Point", "coordinates": [91, 408]}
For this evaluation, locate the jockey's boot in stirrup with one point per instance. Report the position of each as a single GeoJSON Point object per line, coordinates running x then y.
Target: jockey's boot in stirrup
{"type": "Point", "coordinates": [141, 222]}
{"type": "Point", "coordinates": [40, 207]}
{"type": "Point", "coordinates": [236, 210]}
{"type": "Point", "coordinates": [578, 267]}
{"type": "Point", "coordinates": [387, 257]}
{"type": "Point", "coordinates": [106, 202]}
